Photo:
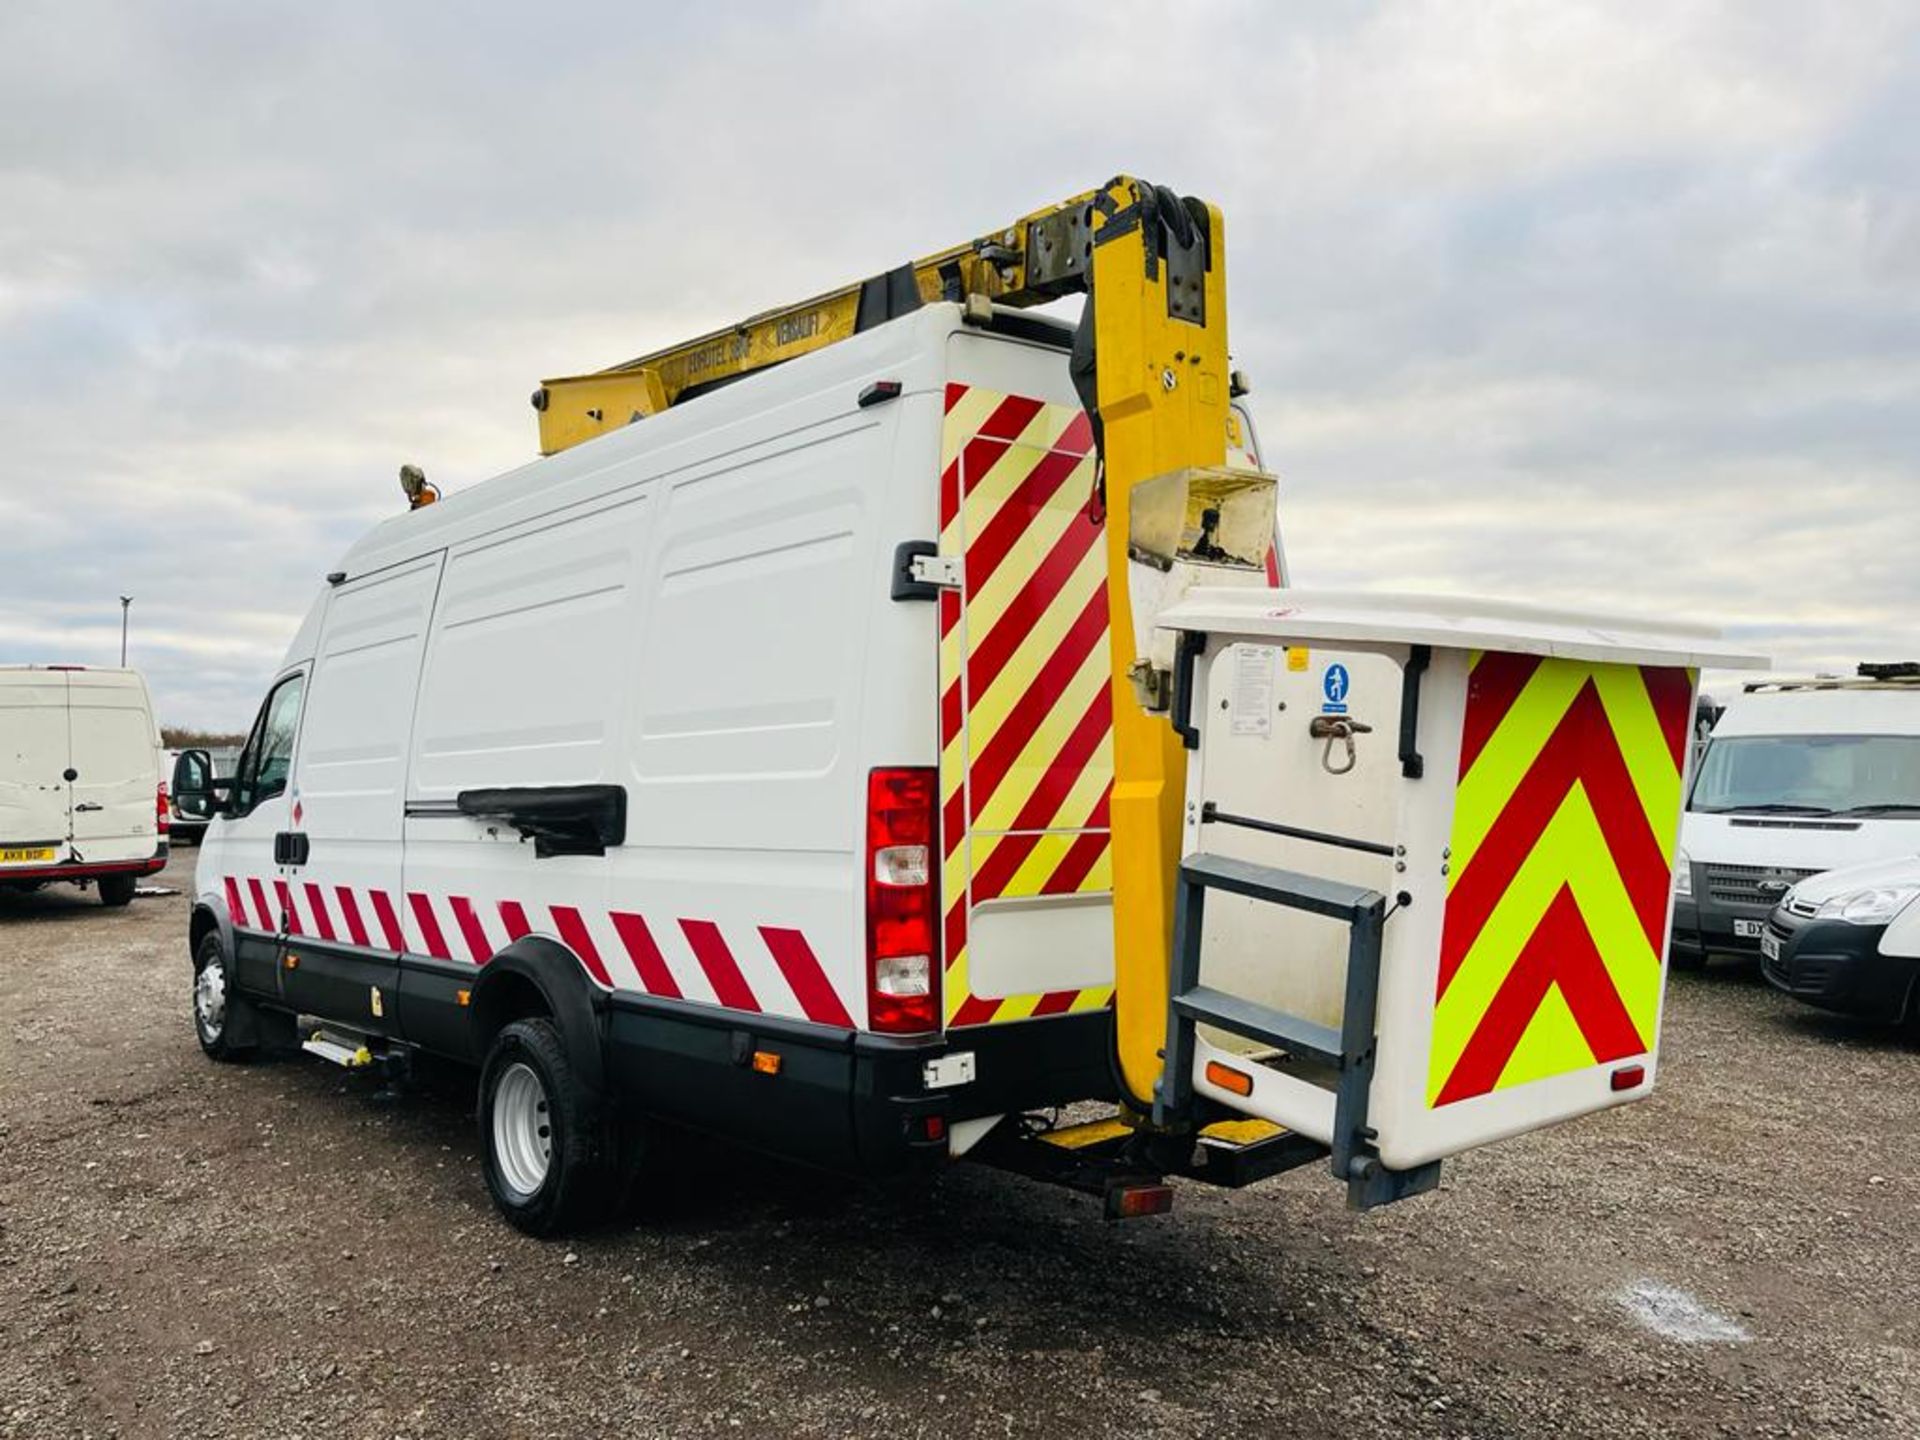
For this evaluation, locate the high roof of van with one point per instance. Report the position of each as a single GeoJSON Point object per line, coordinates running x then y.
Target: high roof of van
{"type": "Point", "coordinates": [1892, 710]}
{"type": "Point", "coordinates": [910, 349]}
{"type": "Point", "coordinates": [96, 674]}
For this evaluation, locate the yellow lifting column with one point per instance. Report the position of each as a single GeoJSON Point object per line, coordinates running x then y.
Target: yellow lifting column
{"type": "Point", "coordinates": [1160, 322]}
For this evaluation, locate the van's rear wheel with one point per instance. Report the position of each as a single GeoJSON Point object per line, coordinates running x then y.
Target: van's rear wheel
{"type": "Point", "coordinates": [541, 1133]}
{"type": "Point", "coordinates": [215, 1005]}
{"type": "Point", "coordinates": [116, 890]}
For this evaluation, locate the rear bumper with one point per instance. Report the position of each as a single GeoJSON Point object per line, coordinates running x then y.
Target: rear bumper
{"type": "Point", "coordinates": [85, 870]}
{"type": "Point", "coordinates": [1838, 966]}
{"type": "Point", "coordinates": [1703, 929]}
{"type": "Point", "coordinates": [844, 1100]}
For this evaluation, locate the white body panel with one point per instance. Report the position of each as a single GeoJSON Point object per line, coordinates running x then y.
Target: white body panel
{"type": "Point", "coordinates": [99, 725]}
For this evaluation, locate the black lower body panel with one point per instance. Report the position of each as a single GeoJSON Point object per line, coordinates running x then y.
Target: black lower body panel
{"type": "Point", "coordinates": [841, 1099]}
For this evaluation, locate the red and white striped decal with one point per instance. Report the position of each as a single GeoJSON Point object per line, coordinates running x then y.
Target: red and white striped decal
{"type": "Point", "coordinates": [776, 972]}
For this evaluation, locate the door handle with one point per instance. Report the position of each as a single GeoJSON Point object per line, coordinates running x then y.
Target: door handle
{"type": "Point", "coordinates": [290, 848]}
{"type": "Point", "coordinates": [88, 805]}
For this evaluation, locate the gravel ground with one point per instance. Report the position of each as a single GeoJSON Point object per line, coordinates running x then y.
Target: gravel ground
{"type": "Point", "coordinates": [271, 1250]}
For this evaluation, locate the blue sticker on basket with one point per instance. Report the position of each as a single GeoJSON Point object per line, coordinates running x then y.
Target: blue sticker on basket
{"type": "Point", "coordinates": [1334, 684]}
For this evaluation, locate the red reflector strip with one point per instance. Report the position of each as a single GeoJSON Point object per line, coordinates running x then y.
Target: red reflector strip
{"type": "Point", "coordinates": [350, 912]}
{"type": "Point", "coordinates": [514, 917]}
{"type": "Point", "coordinates": [808, 978]}
{"type": "Point", "coordinates": [577, 938]}
{"type": "Point", "coordinates": [317, 906]}
{"type": "Point", "coordinates": [389, 920]}
{"type": "Point", "coordinates": [1628, 1077]}
{"type": "Point", "coordinates": [429, 924]}
{"type": "Point", "coordinates": [1128, 1202]}
{"type": "Point", "coordinates": [471, 930]}
{"type": "Point", "coordinates": [644, 951]}
{"type": "Point", "coordinates": [260, 906]}
{"type": "Point", "coordinates": [730, 987]}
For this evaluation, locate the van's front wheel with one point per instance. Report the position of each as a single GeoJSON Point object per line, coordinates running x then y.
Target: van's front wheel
{"type": "Point", "coordinates": [216, 1007]}
{"type": "Point", "coordinates": [540, 1132]}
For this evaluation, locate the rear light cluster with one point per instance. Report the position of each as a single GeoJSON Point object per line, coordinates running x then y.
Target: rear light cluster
{"type": "Point", "coordinates": [903, 973]}
{"type": "Point", "coordinates": [162, 811]}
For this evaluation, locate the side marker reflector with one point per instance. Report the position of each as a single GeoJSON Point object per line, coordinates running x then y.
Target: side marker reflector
{"type": "Point", "coordinates": [1129, 1202]}
{"type": "Point", "coordinates": [766, 1062]}
{"type": "Point", "coordinates": [1628, 1076]}
{"type": "Point", "coordinates": [1228, 1078]}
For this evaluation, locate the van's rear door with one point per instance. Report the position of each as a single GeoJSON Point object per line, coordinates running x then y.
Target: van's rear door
{"type": "Point", "coordinates": [33, 755]}
{"type": "Point", "coordinates": [1026, 717]}
{"type": "Point", "coordinates": [115, 757]}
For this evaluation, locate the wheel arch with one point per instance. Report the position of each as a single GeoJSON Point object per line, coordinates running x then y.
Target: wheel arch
{"type": "Point", "coordinates": [538, 976]}
{"type": "Point", "coordinates": [208, 919]}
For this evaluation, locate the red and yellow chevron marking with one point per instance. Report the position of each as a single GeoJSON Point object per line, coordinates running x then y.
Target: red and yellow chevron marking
{"type": "Point", "coordinates": [1026, 719]}
{"type": "Point", "coordinates": [1564, 828]}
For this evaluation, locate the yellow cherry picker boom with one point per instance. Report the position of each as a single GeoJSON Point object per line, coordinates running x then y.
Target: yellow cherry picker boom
{"type": "Point", "coordinates": [1390, 873]}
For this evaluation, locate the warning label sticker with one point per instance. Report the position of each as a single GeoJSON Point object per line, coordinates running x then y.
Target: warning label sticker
{"type": "Point", "coordinates": [1253, 689]}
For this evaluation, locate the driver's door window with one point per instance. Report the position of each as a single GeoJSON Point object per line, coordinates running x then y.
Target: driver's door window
{"type": "Point", "coordinates": [268, 758]}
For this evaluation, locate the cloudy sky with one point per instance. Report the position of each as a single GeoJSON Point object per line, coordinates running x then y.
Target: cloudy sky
{"type": "Point", "coordinates": [1613, 305]}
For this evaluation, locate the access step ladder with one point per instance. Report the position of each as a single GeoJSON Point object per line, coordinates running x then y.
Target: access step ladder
{"type": "Point", "coordinates": [337, 1048]}
{"type": "Point", "coordinates": [1348, 1051]}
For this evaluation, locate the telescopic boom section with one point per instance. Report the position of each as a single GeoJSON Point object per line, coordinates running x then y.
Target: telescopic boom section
{"type": "Point", "coordinates": [1037, 258]}
{"type": "Point", "coordinates": [1150, 363]}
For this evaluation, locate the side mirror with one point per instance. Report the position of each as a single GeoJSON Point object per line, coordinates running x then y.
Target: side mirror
{"type": "Point", "coordinates": [193, 785]}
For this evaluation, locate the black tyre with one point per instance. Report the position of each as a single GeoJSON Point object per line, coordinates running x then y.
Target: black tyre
{"type": "Point", "coordinates": [216, 1008]}
{"type": "Point", "coordinates": [549, 1161]}
{"type": "Point", "coordinates": [117, 890]}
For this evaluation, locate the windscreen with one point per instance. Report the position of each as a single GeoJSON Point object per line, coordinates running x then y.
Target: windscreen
{"type": "Point", "coordinates": [1810, 775]}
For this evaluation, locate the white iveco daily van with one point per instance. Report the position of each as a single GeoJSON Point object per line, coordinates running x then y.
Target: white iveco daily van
{"type": "Point", "coordinates": [81, 795]}
{"type": "Point", "coordinates": [1799, 777]}
{"type": "Point", "coordinates": [675, 776]}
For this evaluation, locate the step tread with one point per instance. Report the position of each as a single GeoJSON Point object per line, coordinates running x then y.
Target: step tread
{"type": "Point", "coordinates": [1292, 1033]}
{"type": "Point", "coordinates": [1282, 887]}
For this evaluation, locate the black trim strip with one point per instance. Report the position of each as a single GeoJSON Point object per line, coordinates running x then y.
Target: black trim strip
{"type": "Point", "coordinates": [1212, 814]}
{"type": "Point", "coordinates": [1015, 326]}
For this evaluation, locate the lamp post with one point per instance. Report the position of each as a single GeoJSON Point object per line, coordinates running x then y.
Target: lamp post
{"type": "Point", "coordinates": [126, 604]}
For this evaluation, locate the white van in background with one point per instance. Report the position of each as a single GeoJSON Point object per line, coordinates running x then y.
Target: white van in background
{"type": "Point", "coordinates": [1800, 776]}
{"type": "Point", "coordinates": [82, 800]}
